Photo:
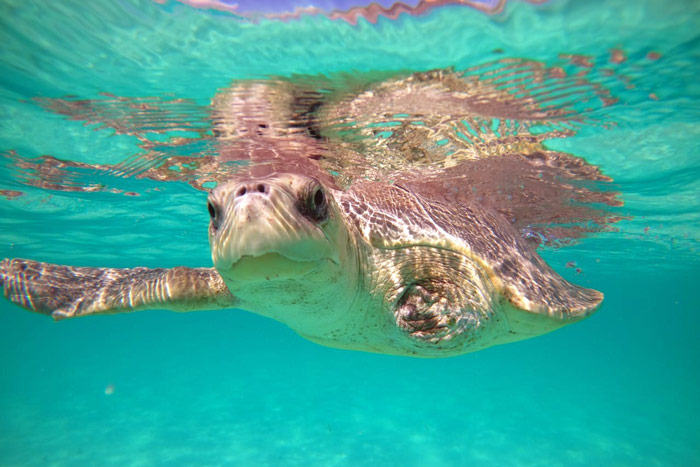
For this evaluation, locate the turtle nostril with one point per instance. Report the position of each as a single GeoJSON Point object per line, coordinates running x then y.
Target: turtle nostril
{"type": "Point", "coordinates": [251, 188]}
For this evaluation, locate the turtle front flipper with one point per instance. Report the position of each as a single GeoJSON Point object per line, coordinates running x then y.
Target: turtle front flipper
{"type": "Point", "coordinates": [67, 292]}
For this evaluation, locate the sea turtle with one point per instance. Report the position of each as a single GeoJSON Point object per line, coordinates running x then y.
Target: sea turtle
{"type": "Point", "coordinates": [422, 250]}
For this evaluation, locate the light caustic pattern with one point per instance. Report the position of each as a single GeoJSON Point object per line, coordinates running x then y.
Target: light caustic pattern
{"type": "Point", "coordinates": [441, 125]}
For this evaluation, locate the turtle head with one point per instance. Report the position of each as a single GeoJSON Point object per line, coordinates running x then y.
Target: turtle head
{"type": "Point", "coordinates": [278, 239]}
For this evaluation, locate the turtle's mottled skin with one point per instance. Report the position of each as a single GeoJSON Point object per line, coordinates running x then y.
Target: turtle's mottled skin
{"type": "Point", "coordinates": [379, 267]}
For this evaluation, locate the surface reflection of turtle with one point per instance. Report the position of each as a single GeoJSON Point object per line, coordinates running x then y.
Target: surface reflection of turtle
{"type": "Point", "coordinates": [388, 217]}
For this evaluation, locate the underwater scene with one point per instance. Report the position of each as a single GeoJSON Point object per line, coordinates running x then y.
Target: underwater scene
{"type": "Point", "coordinates": [415, 233]}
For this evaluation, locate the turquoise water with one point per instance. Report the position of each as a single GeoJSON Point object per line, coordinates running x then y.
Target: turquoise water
{"type": "Point", "coordinates": [232, 388]}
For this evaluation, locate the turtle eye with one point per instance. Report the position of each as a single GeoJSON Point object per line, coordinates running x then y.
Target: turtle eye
{"type": "Point", "coordinates": [319, 198]}
{"type": "Point", "coordinates": [213, 214]}
{"type": "Point", "coordinates": [317, 206]}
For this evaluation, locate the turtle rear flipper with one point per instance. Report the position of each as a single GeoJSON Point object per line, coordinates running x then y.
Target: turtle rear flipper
{"type": "Point", "coordinates": [537, 299]}
{"type": "Point", "coordinates": [66, 291]}
{"type": "Point", "coordinates": [554, 304]}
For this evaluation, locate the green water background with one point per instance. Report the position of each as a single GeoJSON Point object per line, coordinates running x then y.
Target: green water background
{"type": "Point", "coordinates": [228, 387]}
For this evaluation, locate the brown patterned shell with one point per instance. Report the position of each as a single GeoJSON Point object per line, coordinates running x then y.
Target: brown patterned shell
{"type": "Point", "coordinates": [395, 217]}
